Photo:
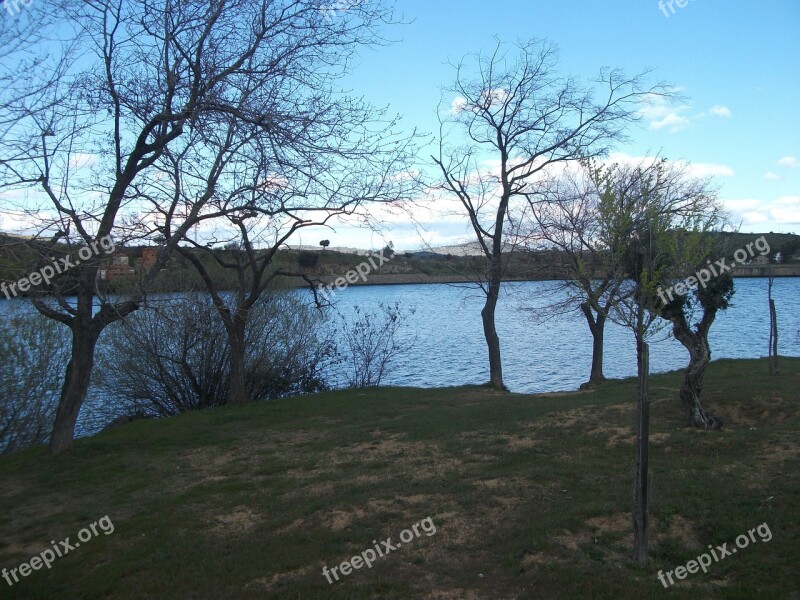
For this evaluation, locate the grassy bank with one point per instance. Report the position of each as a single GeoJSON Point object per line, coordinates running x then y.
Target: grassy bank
{"type": "Point", "coordinates": [530, 496]}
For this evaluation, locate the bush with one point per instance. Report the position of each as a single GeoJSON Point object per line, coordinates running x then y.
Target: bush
{"type": "Point", "coordinates": [308, 259]}
{"type": "Point", "coordinates": [175, 357]}
{"type": "Point", "coordinates": [369, 342]}
{"type": "Point", "coordinates": [34, 352]}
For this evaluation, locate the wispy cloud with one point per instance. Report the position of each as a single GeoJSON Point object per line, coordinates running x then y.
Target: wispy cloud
{"type": "Point", "coordinates": [699, 170]}
{"type": "Point", "coordinates": [790, 162]}
{"type": "Point", "coordinates": [709, 170]}
{"type": "Point", "coordinates": [784, 210]}
{"type": "Point", "coordinates": [773, 176]}
{"type": "Point", "coordinates": [673, 121]}
{"type": "Point", "coordinates": [721, 111]}
{"type": "Point", "coordinates": [662, 114]}
{"type": "Point", "coordinates": [81, 160]}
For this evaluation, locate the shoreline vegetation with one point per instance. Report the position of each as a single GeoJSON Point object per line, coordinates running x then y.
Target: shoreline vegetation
{"type": "Point", "coordinates": [529, 494]}
{"type": "Point", "coordinates": [324, 266]}
{"type": "Point", "coordinates": [741, 271]}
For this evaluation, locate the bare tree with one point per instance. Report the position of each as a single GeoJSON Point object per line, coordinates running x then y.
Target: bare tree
{"type": "Point", "coordinates": [519, 117]}
{"type": "Point", "coordinates": [151, 75]}
{"type": "Point", "coordinates": [773, 327]}
{"type": "Point", "coordinates": [330, 157]}
{"type": "Point", "coordinates": [29, 78]}
{"type": "Point", "coordinates": [565, 216]}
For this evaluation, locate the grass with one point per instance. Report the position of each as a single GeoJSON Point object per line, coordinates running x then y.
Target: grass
{"type": "Point", "coordinates": [530, 496]}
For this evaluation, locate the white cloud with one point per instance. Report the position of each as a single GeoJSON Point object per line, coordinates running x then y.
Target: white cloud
{"type": "Point", "coordinates": [698, 170]}
{"type": "Point", "coordinates": [81, 160]}
{"type": "Point", "coordinates": [458, 105]}
{"type": "Point", "coordinates": [786, 209]}
{"type": "Point", "coordinates": [702, 170]}
{"type": "Point", "coordinates": [773, 176]}
{"type": "Point", "coordinates": [720, 111]}
{"type": "Point", "coordinates": [661, 114]}
{"type": "Point", "coordinates": [674, 121]}
{"type": "Point", "coordinates": [790, 162]}
{"type": "Point", "coordinates": [783, 211]}
{"type": "Point", "coordinates": [754, 218]}
{"type": "Point", "coordinates": [741, 205]}
{"type": "Point", "coordinates": [494, 97]}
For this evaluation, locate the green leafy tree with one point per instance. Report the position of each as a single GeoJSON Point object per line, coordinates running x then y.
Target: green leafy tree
{"type": "Point", "coordinates": [662, 216]}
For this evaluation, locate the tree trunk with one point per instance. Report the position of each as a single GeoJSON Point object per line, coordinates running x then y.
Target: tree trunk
{"type": "Point", "coordinates": [773, 338]}
{"type": "Point", "coordinates": [237, 392]}
{"type": "Point", "coordinates": [696, 343]}
{"type": "Point", "coordinates": [640, 487]}
{"type": "Point", "coordinates": [76, 384]}
{"type": "Point", "coordinates": [490, 333]}
{"type": "Point", "coordinates": [597, 327]}
{"type": "Point", "coordinates": [699, 357]}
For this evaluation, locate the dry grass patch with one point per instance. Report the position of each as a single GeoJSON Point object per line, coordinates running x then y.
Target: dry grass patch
{"type": "Point", "coordinates": [240, 521]}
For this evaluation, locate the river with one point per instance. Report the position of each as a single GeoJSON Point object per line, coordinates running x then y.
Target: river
{"type": "Point", "coordinates": [542, 351]}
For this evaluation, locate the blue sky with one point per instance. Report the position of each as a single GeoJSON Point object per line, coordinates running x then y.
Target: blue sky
{"type": "Point", "coordinates": [735, 62]}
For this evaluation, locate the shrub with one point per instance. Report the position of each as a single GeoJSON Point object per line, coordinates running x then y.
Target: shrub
{"type": "Point", "coordinates": [175, 357]}
{"type": "Point", "coordinates": [369, 342]}
{"type": "Point", "coordinates": [34, 352]}
{"type": "Point", "coordinates": [308, 259]}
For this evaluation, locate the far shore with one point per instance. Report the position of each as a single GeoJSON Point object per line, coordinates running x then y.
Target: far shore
{"type": "Point", "coordinates": [741, 271]}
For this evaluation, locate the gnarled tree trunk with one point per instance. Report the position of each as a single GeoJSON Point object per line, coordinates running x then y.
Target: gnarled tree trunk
{"type": "Point", "coordinates": [696, 342]}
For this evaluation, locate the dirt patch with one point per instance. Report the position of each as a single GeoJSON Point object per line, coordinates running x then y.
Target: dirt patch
{"type": "Point", "coordinates": [565, 419]}
{"type": "Point", "coordinates": [279, 579]}
{"type": "Point", "coordinates": [620, 409]}
{"type": "Point", "coordinates": [536, 558]}
{"type": "Point", "coordinates": [571, 541]}
{"type": "Point", "coordinates": [779, 452]}
{"type": "Point", "coordinates": [582, 416]}
{"type": "Point", "coordinates": [762, 411]}
{"type": "Point", "coordinates": [386, 446]}
{"type": "Point", "coordinates": [242, 520]}
{"type": "Point", "coordinates": [616, 435]}
{"type": "Point", "coordinates": [337, 520]}
{"type": "Point", "coordinates": [516, 442]}
{"type": "Point", "coordinates": [491, 484]}
{"type": "Point", "coordinates": [680, 529]}
{"type": "Point", "coordinates": [619, 524]}
{"type": "Point", "coordinates": [453, 594]}
{"type": "Point", "coordinates": [291, 527]}
{"type": "Point", "coordinates": [610, 523]}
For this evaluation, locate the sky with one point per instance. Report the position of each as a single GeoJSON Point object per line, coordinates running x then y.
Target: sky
{"type": "Point", "coordinates": [734, 62]}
